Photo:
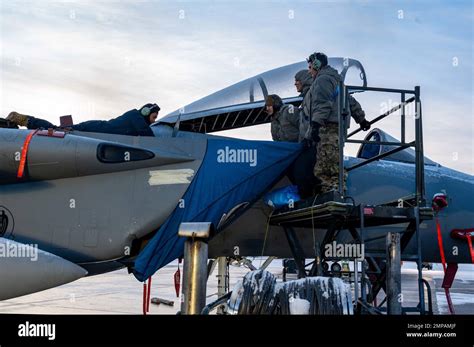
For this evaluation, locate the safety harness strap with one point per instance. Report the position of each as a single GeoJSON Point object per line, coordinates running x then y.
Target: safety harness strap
{"type": "Point", "coordinates": [440, 245]}
{"type": "Point", "coordinates": [24, 153]}
{"type": "Point", "coordinates": [447, 281]}
{"type": "Point", "coordinates": [471, 250]}
{"type": "Point", "coordinates": [465, 234]}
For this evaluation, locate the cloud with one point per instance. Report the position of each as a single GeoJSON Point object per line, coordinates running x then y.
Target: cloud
{"type": "Point", "coordinates": [96, 60]}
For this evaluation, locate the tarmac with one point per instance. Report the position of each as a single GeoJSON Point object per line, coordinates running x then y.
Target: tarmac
{"type": "Point", "coordinates": [120, 293]}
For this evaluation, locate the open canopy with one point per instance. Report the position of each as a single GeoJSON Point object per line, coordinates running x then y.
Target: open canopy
{"type": "Point", "coordinates": [241, 104]}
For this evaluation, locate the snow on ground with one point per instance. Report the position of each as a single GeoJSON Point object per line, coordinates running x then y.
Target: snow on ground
{"type": "Point", "coordinates": [120, 293]}
{"type": "Point", "coordinates": [458, 299]}
{"type": "Point", "coordinates": [462, 290]}
{"type": "Point", "coordinates": [115, 293]}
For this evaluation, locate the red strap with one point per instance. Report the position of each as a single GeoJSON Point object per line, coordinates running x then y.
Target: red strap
{"type": "Point", "coordinates": [469, 242]}
{"type": "Point", "coordinates": [440, 244]}
{"type": "Point", "coordinates": [24, 153]}
{"type": "Point", "coordinates": [177, 281]}
{"type": "Point", "coordinates": [148, 295]}
{"type": "Point", "coordinates": [465, 234]}
{"type": "Point", "coordinates": [443, 261]}
{"type": "Point", "coordinates": [448, 280]}
{"type": "Point", "coordinates": [144, 298]}
{"type": "Point", "coordinates": [448, 299]}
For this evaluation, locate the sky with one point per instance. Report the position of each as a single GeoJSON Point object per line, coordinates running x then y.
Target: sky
{"type": "Point", "coordinates": [98, 59]}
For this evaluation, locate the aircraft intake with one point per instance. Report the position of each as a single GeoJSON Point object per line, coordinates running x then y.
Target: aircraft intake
{"type": "Point", "coordinates": [50, 156]}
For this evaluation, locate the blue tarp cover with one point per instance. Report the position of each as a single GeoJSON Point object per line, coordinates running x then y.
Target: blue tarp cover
{"type": "Point", "coordinates": [233, 171]}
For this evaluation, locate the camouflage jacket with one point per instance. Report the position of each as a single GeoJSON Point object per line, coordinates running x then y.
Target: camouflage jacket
{"type": "Point", "coordinates": [320, 104]}
{"type": "Point", "coordinates": [285, 124]}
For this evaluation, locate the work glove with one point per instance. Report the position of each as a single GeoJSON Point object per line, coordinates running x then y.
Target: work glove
{"type": "Point", "coordinates": [365, 124]}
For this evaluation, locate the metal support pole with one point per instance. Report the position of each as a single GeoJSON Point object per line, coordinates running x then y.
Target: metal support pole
{"type": "Point", "coordinates": [402, 117]}
{"type": "Point", "coordinates": [195, 266]}
{"type": "Point", "coordinates": [394, 274]}
{"type": "Point", "coordinates": [296, 250]}
{"type": "Point", "coordinates": [363, 291]}
{"type": "Point", "coordinates": [222, 280]}
{"type": "Point", "coordinates": [342, 128]}
{"type": "Point", "coordinates": [356, 282]}
{"type": "Point", "coordinates": [211, 265]}
{"type": "Point", "coordinates": [421, 289]}
{"type": "Point", "coordinates": [420, 172]}
{"type": "Point", "coordinates": [317, 259]}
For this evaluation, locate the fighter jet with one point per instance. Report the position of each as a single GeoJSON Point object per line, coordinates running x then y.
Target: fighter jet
{"type": "Point", "coordinates": [75, 204]}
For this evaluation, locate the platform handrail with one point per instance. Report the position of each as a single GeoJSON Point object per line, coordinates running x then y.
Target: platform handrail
{"type": "Point", "coordinates": [417, 143]}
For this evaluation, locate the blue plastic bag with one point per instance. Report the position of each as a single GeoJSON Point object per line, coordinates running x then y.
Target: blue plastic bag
{"type": "Point", "coordinates": [282, 197]}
